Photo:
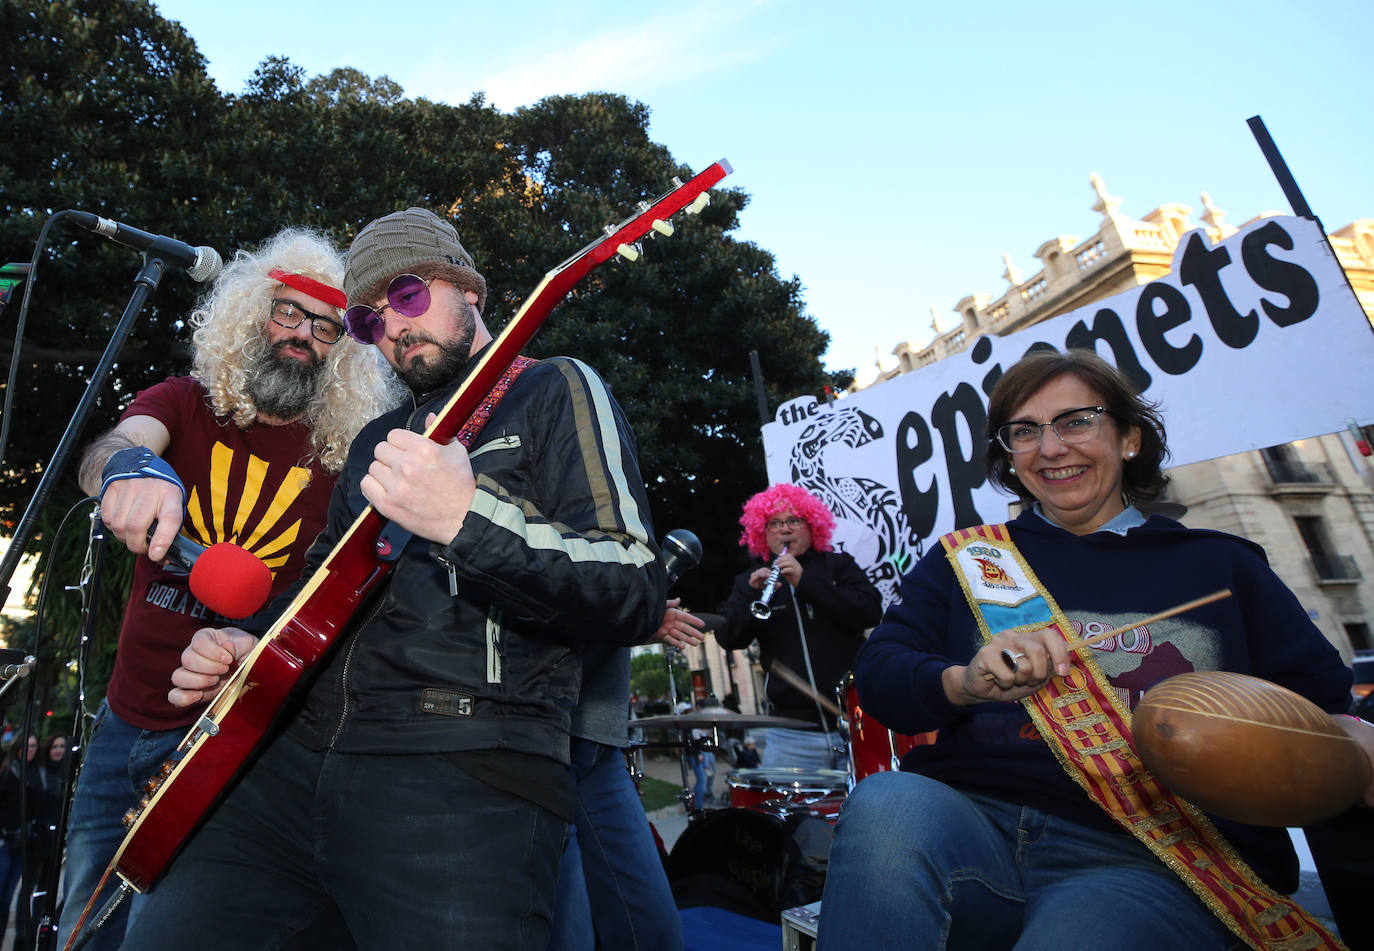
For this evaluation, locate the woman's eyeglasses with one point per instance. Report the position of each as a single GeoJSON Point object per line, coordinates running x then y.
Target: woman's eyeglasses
{"type": "Point", "coordinates": [1071, 426]}
{"type": "Point", "coordinates": [289, 314]}
{"type": "Point", "coordinates": [778, 524]}
{"type": "Point", "coordinates": [407, 295]}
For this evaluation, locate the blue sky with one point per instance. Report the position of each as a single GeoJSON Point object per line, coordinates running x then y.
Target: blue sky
{"type": "Point", "coordinates": [893, 151]}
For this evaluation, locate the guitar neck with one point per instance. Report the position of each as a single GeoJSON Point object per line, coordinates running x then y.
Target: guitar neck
{"type": "Point", "coordinates": [556, 285]}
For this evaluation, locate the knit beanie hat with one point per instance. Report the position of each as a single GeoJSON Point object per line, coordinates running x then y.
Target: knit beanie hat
{"type": "Point", "coordinates": [401, 242]}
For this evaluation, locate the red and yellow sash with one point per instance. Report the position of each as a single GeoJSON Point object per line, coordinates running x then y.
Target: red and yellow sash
{"type": "Point", "coordinates": [1088, 727]}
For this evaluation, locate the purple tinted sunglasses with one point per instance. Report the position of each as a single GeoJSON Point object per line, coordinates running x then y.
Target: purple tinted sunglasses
{"type": "Point", "coordinates": [407, 295]}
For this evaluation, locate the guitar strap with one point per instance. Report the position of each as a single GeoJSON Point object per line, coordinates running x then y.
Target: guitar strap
{"type": "Point", "coordinates": [392, 539]}
{"type": "Point", "coordinates": [1088, 728]}
{"type": "Point", "coordinates": [495, 395]}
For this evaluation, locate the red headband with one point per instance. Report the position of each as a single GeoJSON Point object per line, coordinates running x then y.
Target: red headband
{"type": "Point", "coordinates": [308, 285]}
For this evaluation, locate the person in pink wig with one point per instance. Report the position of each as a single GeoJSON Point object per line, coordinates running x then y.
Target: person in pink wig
{"type": "Point", "coordinates": [817, 613]}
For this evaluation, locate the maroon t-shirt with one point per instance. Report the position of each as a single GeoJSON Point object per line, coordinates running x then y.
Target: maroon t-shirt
{"type": "Point", "coordinates": [251, 487]}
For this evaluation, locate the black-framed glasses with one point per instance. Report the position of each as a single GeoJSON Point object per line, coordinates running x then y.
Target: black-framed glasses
{"type": "Point", "coordinates": [778, 524]}
{"type": "Point", "coordinates": [1071, 426]}
{"type": "Point", "coordinates": [407, 294]}
{"type": "Point", "coordinates": [289, 314]}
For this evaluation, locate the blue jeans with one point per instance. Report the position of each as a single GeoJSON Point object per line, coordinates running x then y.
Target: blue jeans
{"type": "Point", "coordinates": [699, 790]}
{"type": "Point", "coordinates": [117, 759]}
{"type": "Point", "coordinates": [10, 869]}
{"type": "Point", "coordinates": [612, 890]}
{"type": "Point", "coordinates": [916, 864]}
{"type": "Point", "coordinates": [409, 850]}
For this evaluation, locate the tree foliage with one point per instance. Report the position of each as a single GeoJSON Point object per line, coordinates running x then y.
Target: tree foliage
{"type": "Point", "coordinates": [109, 109]}
{"type": "Point", "coordinates": [649, 677]}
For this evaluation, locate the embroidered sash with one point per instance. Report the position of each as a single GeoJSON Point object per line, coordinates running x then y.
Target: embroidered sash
{"type": "Point", "coordinates": [1088, 727]}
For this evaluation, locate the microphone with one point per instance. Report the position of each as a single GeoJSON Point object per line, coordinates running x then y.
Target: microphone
{"type": "Point", "coordinates": [228, 579]}
{"type": "Point", "coordinates": [201, 264]}
{"type": "Point", "coordinates": [681, 550]}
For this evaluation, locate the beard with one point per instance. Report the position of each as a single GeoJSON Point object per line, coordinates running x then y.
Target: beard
{"type": "Point", "coordinates": [283, 386]}
{"type": "Point", "coordinates": [423, 374]}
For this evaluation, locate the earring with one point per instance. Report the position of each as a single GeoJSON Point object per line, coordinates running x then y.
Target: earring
{"type": "Point", "coordinates": [1130, 454]}
{"type": "Point", "coordinates": [1011, 469]}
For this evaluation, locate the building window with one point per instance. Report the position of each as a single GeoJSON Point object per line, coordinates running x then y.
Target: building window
{"type": "Point", "coordinates": [1358, 632]}
{"type": "Point", "coordinates": [1284, 466]}
{"type": "Point", "coordinates": [1329, 566]}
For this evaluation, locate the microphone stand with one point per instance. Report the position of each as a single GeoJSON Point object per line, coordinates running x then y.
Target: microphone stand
{"type": "Point", "coordinates": [145, 283]}
{"type": "Point", "coordinates": [45, 893]}
{"type": "Point", "coordinates": [681, 551]}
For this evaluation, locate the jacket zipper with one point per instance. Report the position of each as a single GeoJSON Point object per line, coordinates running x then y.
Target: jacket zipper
{"type": "Point", "coordinates": [500, 442]}
{"type": "Point", "coordinates": [343, 676]}
{"type": "Point", "coordinates": [494, 646]}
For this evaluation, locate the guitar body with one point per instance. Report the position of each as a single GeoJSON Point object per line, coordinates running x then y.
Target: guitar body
{"type": "Point", "coordinates": [246, 707]}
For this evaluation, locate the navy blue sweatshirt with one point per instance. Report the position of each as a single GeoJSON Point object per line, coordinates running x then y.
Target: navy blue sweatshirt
{"type": "Point", "coordinates": [1100, 581]}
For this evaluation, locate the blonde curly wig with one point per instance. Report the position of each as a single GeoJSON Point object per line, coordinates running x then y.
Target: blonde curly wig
{"type": "Point", "coordinates": [229, 339]}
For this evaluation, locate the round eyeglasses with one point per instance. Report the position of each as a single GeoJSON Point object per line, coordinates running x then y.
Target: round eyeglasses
{"type": "Point", "coordinates": [1071, 426]}
{"type": "Point", "coordinates": [407, 295]}
{"type": "Point", "coordinates": [778, 524]}
{"type": "Point", "coordinates": [289, 314]}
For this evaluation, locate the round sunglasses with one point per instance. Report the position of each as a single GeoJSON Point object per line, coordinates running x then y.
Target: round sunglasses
{"type": "Point", "coordinates": [407, 295]}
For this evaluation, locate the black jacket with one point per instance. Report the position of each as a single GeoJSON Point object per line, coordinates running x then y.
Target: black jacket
{"type": "Point", "coordinates": [837, 603]}
{"type": "Point", "coordinates": [556, 547]}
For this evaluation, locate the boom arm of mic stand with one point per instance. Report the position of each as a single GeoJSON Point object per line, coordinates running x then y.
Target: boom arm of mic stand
{"type": "Point", "coordinates": [146, 282]}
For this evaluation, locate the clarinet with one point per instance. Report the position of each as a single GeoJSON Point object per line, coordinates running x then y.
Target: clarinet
{"type": "Point", "coordinates": [761, 608]}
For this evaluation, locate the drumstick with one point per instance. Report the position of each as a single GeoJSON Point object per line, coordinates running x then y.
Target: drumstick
{"type": "Point", "coordinates": [1075, 646]}
{"type": "Point", "coordinates": [787, 674]}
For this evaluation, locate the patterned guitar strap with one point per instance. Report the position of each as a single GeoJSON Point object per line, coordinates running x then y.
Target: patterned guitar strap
{"type": "Point", "coordinates": [392, 540]}
{"type": "Point", "coordinates": [1088, 727]}
{"type": "Point", "coordinates": [483, 412]}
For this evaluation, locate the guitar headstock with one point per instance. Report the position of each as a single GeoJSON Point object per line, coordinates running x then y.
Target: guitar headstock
{"type": "Point", "coordinates": [654, 216]}
{"type": "Point", "coordinates": [690, 197]}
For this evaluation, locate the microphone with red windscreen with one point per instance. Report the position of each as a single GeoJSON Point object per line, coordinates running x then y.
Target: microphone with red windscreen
{"type": "Point", "coordinates": [227, 579]}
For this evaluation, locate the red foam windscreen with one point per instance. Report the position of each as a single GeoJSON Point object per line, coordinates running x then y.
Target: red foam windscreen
{"type": "Point", "coordinates": [231, 580]}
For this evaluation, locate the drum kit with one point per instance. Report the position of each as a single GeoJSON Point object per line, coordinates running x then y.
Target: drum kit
{"type": "Point", "coordinates": [780, 791]}
{"type": "Point", "coordinates": [767, 849]}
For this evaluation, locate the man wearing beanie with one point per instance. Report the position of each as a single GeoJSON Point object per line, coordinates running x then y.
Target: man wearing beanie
{"type": "Point", "coordinates": [418, 783]}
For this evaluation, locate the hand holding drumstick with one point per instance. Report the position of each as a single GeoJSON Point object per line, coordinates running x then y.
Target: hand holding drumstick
{"type": "Point", "coordinates": [1010, 667]}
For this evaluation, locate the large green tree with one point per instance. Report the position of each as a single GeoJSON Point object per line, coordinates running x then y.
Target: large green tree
{"type": "Point", "coordinates": [109, 109]}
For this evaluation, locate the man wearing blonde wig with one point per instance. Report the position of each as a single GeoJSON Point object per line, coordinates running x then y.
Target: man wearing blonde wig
{"type": "Point", "coordinates": [245, 450]}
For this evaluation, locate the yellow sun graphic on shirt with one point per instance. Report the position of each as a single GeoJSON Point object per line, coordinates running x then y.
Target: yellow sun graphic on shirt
{"type": "Point", "coordinates": [267, 538]}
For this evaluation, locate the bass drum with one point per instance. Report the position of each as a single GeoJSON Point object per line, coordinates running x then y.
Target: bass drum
{"type": "Point", "coordinates": [750, 862]}
{"type": "Point", "coordinates": [873, 748]}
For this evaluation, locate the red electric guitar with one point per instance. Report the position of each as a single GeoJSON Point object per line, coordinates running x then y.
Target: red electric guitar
{"type": "Point", "coordinates": [235, 722]}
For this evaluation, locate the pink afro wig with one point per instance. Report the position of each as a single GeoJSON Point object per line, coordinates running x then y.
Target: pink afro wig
{"type": "Point", "coordinates": [774, 499]}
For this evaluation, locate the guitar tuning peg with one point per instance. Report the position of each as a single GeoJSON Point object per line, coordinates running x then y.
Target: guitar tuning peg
{"type": "Point", "coordinates": [664, 228]}
{"type": "Point", "coordinates": [677, 182]}
{"type": "Point", "coordinates": [628, 251]}
{"type": "Point", "coordinates": [642, 206]}
{"type": "Point", "coordinates": [609, 229]}
{"type": "Point", "coordinates": [698, 203]}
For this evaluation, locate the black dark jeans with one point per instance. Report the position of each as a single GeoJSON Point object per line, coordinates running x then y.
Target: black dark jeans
{"type": "Point", "coordinates": [410, 850]}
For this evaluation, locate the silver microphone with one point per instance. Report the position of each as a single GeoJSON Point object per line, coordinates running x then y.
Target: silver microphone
{"type": "Point", "coordinates": [200, 264]}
